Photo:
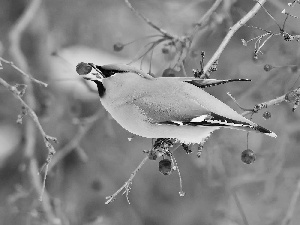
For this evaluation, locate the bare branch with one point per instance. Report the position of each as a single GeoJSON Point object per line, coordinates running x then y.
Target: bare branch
{"type": "Point", "coordinates": [18, 57]}
{"type": "Point", "coordinates": [31, 113]}
{"type": "Point", "coordinates": [127, 184]}
{"type": "Point", "coordinates": [293, 95]}
{"type": "Point", "coordinates": [231, 32]}
{"type": "Point", "coordinates": [240, 208]}
{"type": "Point", "coordinates": [22, 72]}
{"type": "Point", "coordinates": [203, 20]}
{"type": "Point", "coordinates": [74, 143]}
{"type": "Point", "coordinates": [165, 33]}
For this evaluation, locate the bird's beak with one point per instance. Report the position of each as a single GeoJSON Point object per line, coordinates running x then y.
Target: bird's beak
{"type": "Point", "coordinates": [92, 76]}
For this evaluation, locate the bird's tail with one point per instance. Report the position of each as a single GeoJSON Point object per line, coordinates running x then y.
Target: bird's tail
{"type": "Point", "coordinates": [216, 120]}
{"type": "Point", "coordinates": [261, 130]}
{"type": "Point", "coordinates": [255, 127]}
{"type": "Point", "coordinates": [240, 125]}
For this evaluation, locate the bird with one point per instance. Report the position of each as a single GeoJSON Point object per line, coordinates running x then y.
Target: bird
{"type": "Point", "coordinates": [164, 107]}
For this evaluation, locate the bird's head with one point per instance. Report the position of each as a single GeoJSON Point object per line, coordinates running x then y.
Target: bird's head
{"type": "Point", "coordinates": [112, 78]}
{"type": "Point", "coordinates": [96, 73]}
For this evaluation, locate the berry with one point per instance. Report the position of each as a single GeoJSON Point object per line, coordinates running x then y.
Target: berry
{"type": "Point", "coordinates": [294, 69]}
{"type": "Point", "coordinates": [96, 185]}
{"type": "Point", "coordinates": [83, 68]}
{"type": "Point", "coordinates": [268, 67]}
{"type": "Point", "coordinates": [168, 73]}
{"type": "Point", "coordinates": [165, 166]}
{"type": "Point", "coordinates": [248, 156]}
{"type": "Point", "coordinates": [165, 50]}
{"type": "Point", "coordinates": [266, 115]}
{"type": "Point", "coordinates": [118, 47]}
{"type": "Point", "coordinates": [152, 154]}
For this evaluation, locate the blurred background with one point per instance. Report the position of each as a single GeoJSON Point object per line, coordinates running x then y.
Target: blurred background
{"type": "Point", "coordinates": [94, 156]}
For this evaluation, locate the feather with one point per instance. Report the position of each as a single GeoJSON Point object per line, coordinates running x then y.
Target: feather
{"type": "Point", "coordinates": [203, 83]}
{"type": "Point", "coordinates": [212, 82]}
{"type": "Point", "coordinates": [213, 119]}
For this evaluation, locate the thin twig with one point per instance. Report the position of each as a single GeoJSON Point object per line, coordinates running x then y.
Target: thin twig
{"type": "Point", "coordinates": [165, 33]}
{"type": "Point", "coordinates": [181, 192]}
{"type": "Point", "coordinates": [183, 69]}
{"type": "Point", "coordinates": [275, 101]}
{"type": "Point", "coordinates": [236, 102]}
{"type": "Point", "coordinates": [153, 45]}
{"type": "Point", "coordinates": [127, 184]}
{"type": "Point", "coordinates": [33, 165]}
{"type": "Point", "coordinates": [31, 113]}
{"type": "Point", "coordinates": [19, 58]}
{"type": "Point", "coordinates": [231, 32]}
{"type": "Point", "coordinates": [203, 20]}
{"type": "Point", "coordinates": [240, 208]}
{"type": "Point", "coordinates": [22, 72]}
{"type": "Point", "coordinates": [74, 143]}
{"type": "Point", "coordinates": [290, 211]}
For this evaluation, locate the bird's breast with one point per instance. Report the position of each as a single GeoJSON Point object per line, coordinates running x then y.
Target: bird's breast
{"type": "Point", "coordinates": [127, 115]}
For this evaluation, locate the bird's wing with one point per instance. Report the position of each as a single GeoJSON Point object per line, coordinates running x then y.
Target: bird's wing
{"type": "Point", "coordinates": [191, 114]}
{"type": "Point", "coordinates": [175, 99]}
{"type": "Point", "coordinates": [161, 109]}
{"type": "Point", "coordinates": [180, 103]}
{"type": "Point", "coordinates": [204, 83]}
{"type": "Point", "coordinates": [213, 119]}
